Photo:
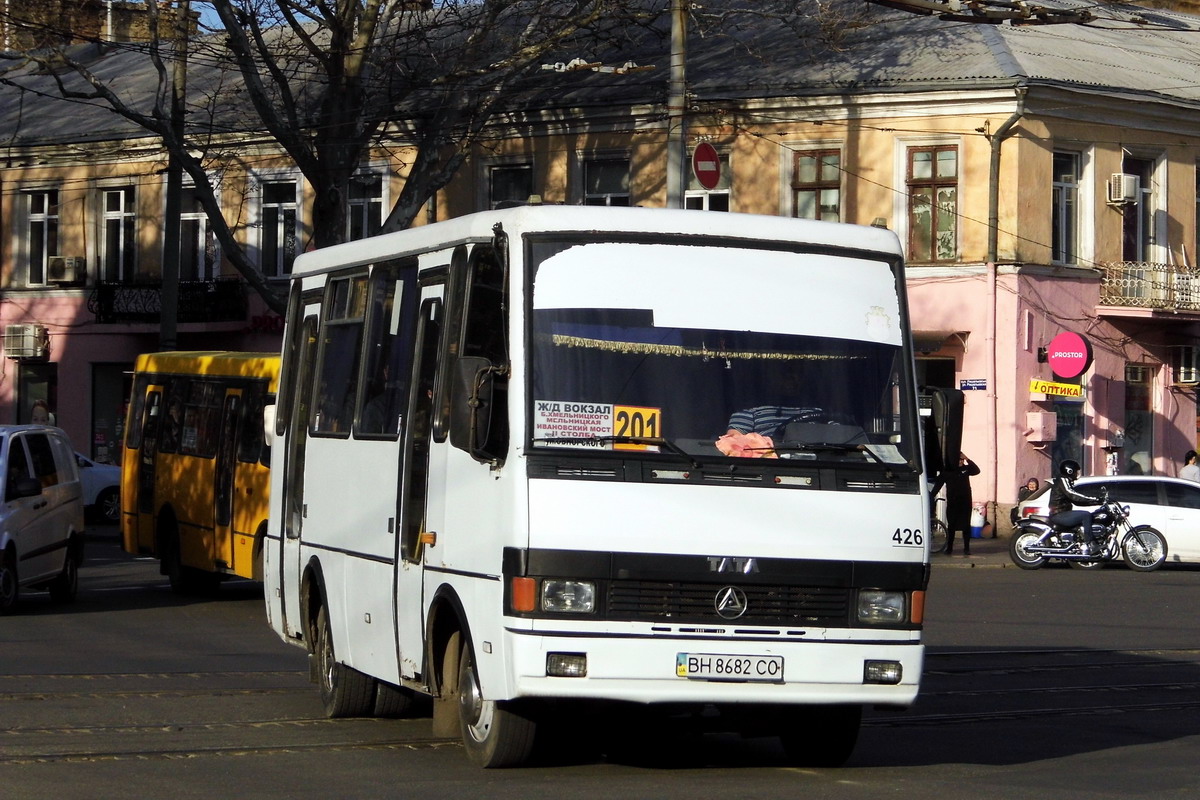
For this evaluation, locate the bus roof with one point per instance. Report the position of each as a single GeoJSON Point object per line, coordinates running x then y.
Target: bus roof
{"type": "Point", "coordinates": [211, 362]}
{"type": "Point", "coordinates": [539, 218]}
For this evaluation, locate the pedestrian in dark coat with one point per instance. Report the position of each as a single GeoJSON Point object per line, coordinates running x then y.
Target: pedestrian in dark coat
{"type": "Point", "coordinates": [958, 502]}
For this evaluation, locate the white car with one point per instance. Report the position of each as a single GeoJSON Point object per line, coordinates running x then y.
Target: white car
{"type": "Point", "coordinates": [41, 516]}
{"type": "Point", "coordinates": [101, 489]}
{"type": "Point", "coordinates": [1172, 505]}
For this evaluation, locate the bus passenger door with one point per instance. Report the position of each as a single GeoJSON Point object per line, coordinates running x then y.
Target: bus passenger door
{"type": "Point", "coordinates": [417, 529]}
{"type": "Point", "coordinates": [293, 485]}
{"type": "Point", "coordinates": [147, 463]}
{"type": "Point", "coordinates": [223, 484]}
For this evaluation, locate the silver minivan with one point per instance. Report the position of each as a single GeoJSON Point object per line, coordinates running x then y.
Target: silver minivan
{"type": "Point", "coordinates": [41, 517]}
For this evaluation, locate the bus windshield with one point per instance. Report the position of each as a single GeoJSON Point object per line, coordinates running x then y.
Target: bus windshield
{"type": "Point", "coordinates": [688, 344]}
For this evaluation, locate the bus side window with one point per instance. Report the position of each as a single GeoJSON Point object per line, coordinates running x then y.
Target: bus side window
{"type": "Point", "coordinates": [388, 360]}
{"type": "Point", "coordinates": [172, 423]}
{"type": "Point", "coordinates": [251, 446]}
{"type": "Point", "coordinates": [484, 335]}
{"type": "Point", "coordinates": [133, 427]}
{"type": "Point", "coordinates": [288, 365]}
{"type": "Point", "coordinates": [341, 349]}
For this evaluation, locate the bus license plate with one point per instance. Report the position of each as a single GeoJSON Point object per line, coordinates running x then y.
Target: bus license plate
{"type": "Point", "coordinates": [717, 667]}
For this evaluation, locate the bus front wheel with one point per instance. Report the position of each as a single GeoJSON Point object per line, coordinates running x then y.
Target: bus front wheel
{"type": "Point", "coordinates": [494, 734]}
{"type": "Point", "coordinates": [821, 736]}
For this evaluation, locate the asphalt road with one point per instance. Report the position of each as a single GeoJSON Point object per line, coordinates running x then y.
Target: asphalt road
{"type": "Point", "coordinates": [1051, 684]}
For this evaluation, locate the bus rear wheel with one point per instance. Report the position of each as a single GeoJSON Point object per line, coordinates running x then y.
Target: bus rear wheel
{"type": "Point", "coordinates": [345, 692]}
{"type": "Point", "coordinates": [494, 734]}
{"type": "Point", "coordinates": [183, 580]}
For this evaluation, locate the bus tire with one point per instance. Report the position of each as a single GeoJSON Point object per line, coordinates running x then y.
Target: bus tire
{"type": "Point", "coordinates": [10, 582]}
{"type": "Point", "coordinates": [494, 734]}
{"type": "Point", "coordinates": [183, 580]}
{"type": "Point", "coordinates": [821, 736]}
{"type": "Point", "coordinates": [65, 585]}
{"type": "Point", "coordinates": [345, 692]}
{"type": "Point", "coordinates": [393, 702]}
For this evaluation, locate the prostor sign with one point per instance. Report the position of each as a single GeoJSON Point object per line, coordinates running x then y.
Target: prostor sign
{"type": "Point", "coordinates": [1069, 355]}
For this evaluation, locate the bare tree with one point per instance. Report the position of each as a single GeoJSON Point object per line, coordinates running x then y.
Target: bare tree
{"type": "Point", "coordinates": [326, 81]}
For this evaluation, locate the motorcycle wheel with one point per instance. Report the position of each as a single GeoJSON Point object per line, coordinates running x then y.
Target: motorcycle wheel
{"type": "Point", "coordinates": [1144, 549]}
{"type": "Point", "coordinates": [1020, 555]}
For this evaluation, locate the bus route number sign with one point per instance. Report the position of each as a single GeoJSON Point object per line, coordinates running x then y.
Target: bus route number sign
{"type": "Point", "coordinates": [636, 421]}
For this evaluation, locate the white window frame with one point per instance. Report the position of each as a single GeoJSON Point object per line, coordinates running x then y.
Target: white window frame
{"type": "Point", "coordinates": [24, 220]}
{"type": "Point", "coordinates": [103, 216]}
{"type": "Point", "coordinates": [205, 271]}
{"type": "Point", "coordinates": [257, 219]}
{"type": "Point", "coordinates": [371, 171]}
{"type": "Point", "coordinates": [1152, 242]}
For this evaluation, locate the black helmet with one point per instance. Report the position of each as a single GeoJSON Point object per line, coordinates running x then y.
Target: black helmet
{"type": "Point", "coordinates": [1069, 469]}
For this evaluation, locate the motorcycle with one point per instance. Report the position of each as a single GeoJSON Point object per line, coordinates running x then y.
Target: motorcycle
{"type": "Point", "coordinates": [1037, 540]}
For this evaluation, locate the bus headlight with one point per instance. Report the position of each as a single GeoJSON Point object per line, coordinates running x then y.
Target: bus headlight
{"type": "Point", "coordinates": [878, 607]}
{"type": "Point", "coordinates": [568, 597]}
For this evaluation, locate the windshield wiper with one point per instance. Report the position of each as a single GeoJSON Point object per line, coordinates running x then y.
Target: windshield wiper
{"type": "Point", "coordinates": [838, 447]}
{"type": "Point", "coordinates": [657, 441]}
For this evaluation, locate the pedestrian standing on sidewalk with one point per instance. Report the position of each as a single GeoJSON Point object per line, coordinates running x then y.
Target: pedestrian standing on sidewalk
{"type": "Point", "coordinates": [958, 502]}
{"type": "Point", "coordinates": [1190, 471]}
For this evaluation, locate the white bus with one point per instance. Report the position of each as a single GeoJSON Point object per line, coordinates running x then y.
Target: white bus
{"type": "Point", "coordinates": [509, 474]}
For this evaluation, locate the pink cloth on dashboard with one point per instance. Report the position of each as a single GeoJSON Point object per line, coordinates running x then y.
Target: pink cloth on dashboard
{"type": "Point", "coordinates": [747, 445]}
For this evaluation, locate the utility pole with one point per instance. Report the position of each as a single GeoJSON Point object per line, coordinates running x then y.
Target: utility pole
{"type": "Point", "coordinates": [676, 107]}
{"type": "Point", "coordinates": [169, 313]}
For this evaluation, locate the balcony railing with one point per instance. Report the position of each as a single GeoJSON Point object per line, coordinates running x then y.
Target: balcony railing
{"type": "Point", "coordinates": [1138, 284]}
{"type": "Point", "coordinates": [222, 300]}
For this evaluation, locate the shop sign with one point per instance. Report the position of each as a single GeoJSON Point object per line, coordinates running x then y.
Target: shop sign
{"type": "Point", "coordinates": [1061, 391]}
{"type": "Point", "coordinates": [1069, 355]}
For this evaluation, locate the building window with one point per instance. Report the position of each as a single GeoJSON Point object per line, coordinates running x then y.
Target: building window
{"type": "Point", "coordinates": [120, 243]}
{"type": "Point", "coordinates": [199, 253]}
{"type": "Point", "coordinates": [509, 184]}
{"type": "Point", "coordinates": [606, 182]}
{"type": "Point", "coordinates": [364, 213]}
{"type": "Point", "coordinates": [1137, 225]}
{"type": "Point", "coordinates": [817, 185]}
{"type": "Point", "coordinates": [933, 203]}
{"type": "Point", "coordinates": [279, 230]}
{"type": "Point", "coordinates": [714, 199]}
{"type": "Point", "coordinates": [43, 232]}
{"type": "Point", "coordinates": [1065, 212]}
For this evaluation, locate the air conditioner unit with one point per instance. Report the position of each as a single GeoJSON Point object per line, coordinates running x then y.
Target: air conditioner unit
{"type": "Point", "coordinates": [25, 340]}
{"type": "Point", "coordinates": [1124, 188]}
{"type": "Point", "coordinates": [66, 269]}
{"type": "Point", "coordinates": [1185, 365]}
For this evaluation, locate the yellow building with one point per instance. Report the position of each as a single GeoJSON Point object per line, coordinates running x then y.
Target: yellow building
{"type": "Point", "coordinates": [1043, 180]}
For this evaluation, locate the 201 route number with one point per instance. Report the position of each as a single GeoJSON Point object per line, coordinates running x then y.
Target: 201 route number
{"type": "Point", "coordinates": [636, 421]}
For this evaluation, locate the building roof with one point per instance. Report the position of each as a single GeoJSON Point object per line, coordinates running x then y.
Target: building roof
{"type": "Point", "coordinates": [1130, 52]}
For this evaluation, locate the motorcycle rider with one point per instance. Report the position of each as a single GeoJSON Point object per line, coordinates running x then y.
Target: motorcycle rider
{"type": "Point", "coordinates": [1063, 496]}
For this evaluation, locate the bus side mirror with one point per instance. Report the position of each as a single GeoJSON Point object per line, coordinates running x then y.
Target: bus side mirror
{"type": "Point", "coordinates": [471, 405]}
{"type": "Point", "coordinates": [269, 424]}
